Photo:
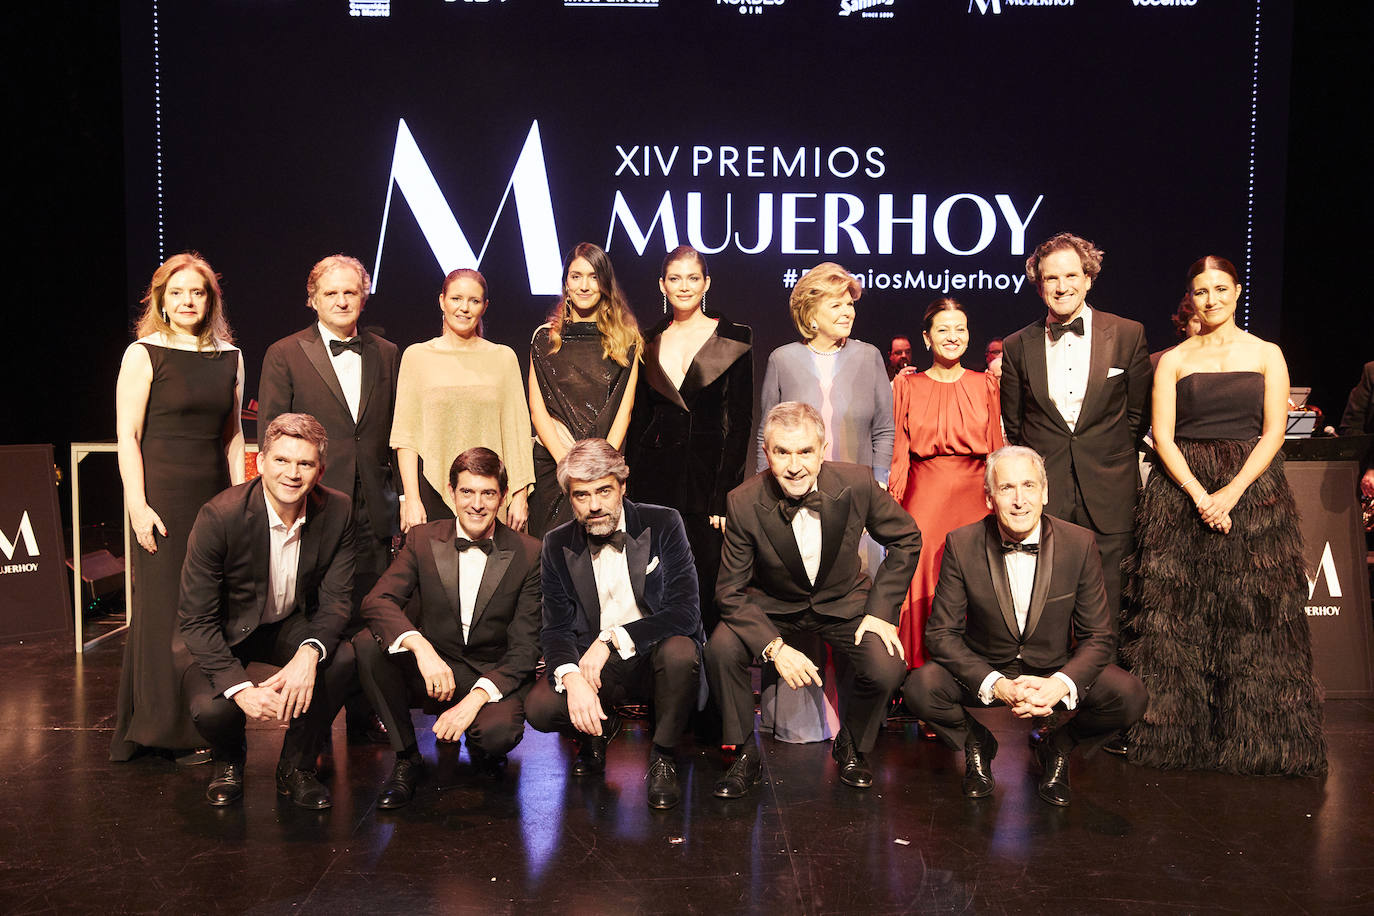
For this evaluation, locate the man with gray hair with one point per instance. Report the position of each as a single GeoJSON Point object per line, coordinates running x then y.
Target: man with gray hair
{"type": "Point", "coordinates": [621, 618]}
{"type": "Point", "coordinates": [1015, 591]}
{"type": "Point", "coordinates": [790, 565]}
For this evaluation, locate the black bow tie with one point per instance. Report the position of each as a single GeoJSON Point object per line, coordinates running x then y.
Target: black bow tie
{"type": "Point", "coordinates": [1015, 547]}
{"type": "Point", "coordinates": [1059, 330]}
{"type": "Point", "coordinates": [789, 506]}
{"type": "Point", "coordinates": [483, 544]}
{"type": "Point", "coordinates": [354, 343]}
{"type": "Point", "coordinates": [615, 539]}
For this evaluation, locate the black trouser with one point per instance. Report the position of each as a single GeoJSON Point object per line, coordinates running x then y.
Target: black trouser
{"type": "Point", "coordinates": [394, 685]}
{"type": "Point", "coordinates": [222, 723]}
{"type": "Point", "coordinates": [669, 674]}
{"type": "Point", "coordinates": [1114, 702]}
{"type": "Point", "coordinates": [875, 674]}
{"type": "Point", "coordinates": [1113, 548]}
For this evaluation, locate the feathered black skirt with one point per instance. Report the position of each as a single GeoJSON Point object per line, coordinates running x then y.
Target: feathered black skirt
{"type": "Point", "coordinates": [1215, 626]}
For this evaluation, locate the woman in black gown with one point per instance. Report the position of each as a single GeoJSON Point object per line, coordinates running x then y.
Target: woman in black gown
{"type": "Point", "coordinates": [584, 365]}
{"type": "Point", "coordinates": [693, 414]}
{"type": "Point", "coordinates": [180, 442]}
{"type": "Point", "coordinates": [1216, 588]}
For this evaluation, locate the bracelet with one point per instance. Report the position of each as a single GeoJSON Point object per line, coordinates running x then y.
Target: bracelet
{"type": "Point", "coordinates": [1184, 485]}
{"type": "Point", "coordinates": [771, 650]}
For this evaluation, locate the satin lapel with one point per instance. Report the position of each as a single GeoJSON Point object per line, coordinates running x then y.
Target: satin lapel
{"type": "Point", "coordinates": [778, 533]}
{"type": "Point", "coordinates": [637, 549]}
{"type": "Point", "coordinates": [317, 353]}
{"type": "Point", "coordinates": [370, 360]}
{"type": "Point", "coordinates": [496, 567]}
{"type": "Point", "coordinates": [1038, 373]}
{"type": "Point", "coordinates": [834, 516]}
{"type": "Point", "coordinates": [997, 567]}
{"type": "Point", "coordinates": [715, 356]}
{"type": "Point", "coordinates": [1099, 361]}
{"type": "Point", "coordinates": [584, 581]}
{"type": "Point", "coordinates": [446, 565]}
{"type": "Point", "coordinates": [258, 535]}
{"type": "Point", "coordinates": [1044, 571]}
{"type": "Point", "coordinates": [656, 377]}
{"type": "Point", "coordinates": [310, 541]}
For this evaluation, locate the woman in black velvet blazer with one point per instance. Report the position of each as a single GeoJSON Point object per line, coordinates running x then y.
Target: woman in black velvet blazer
{"type": "Point", "coordinates": [693, 420]}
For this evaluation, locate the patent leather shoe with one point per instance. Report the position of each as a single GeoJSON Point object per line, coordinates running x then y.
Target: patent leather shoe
{"type": "Point", "coordinates": [1118, 745]}
{"type": "Point", "coordinates": [591, 749]}
{"type": "Point", "coordinates": [303, 787]}
{"type": "Point", "coordinates": [226, 785]}
{"type": "Point", "coordinates": [1054, 779]}
{"type": "Point", "coordinates": [399, 788]}
{"type": "Point", "coordinates": [740, 777]}
{"type": "Point", "coordinates": [979, 751]}
{"type": "Point", "coordinates": [854, 769]}
{"type": "Point", "coordinates": [664, 790]}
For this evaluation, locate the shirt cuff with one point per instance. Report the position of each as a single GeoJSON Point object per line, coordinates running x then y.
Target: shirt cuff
{"type": "Point", "coordinates": [396, 648]}
{"type": "Point", "coordinates": [493, 694]}
{"type": "Point", "coordinates": [1071, 700]}
{"type": "Point", "coordinates": [319, 647]}
{"type": "Point", "coordinates": [561, 672]}
{"type": "Point", "coordinates": [985, 694]}
{"type": "Point", "coordinates": [622, 638]}
{"type": "Point", "coordinates": [229, 694]}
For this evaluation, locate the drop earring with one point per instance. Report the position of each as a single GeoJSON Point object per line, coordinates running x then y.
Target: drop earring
{"type": "Point", "coordinates": [703, 303]}
{"type": "Point", "coordinates": [665, 303]}
{"type": "Point", "coordinates": [814, 326]}
{"type": "Point", "coordinates": [164, 317]}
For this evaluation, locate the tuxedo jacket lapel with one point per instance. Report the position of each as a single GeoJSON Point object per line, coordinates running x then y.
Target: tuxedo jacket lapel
{"type": "Point", "coordinates": [261, 539]}
{"type": "Point", "coordinates": [1038, 373]}
{"type": "Point", "coordinates": [715, 356]}
{"type": "Point", "coordinates": [779, 533]}
{"type": "Point", "coordinates": [495, 569]}
{"type": "Point", "coordinates": [579, 564]}
{"type": "Point", "coordinates": [1001, 585]}
{"type": "Point", "coordinates": [637, 550]}
{"type": "Point", "coordinates": [834, 516]}
{"type": "Point", "coordinates": [656, 377]}
{"type": "Point", "coordinates": [1099, 361]}
{"type": "Point", "coordinates": [1044, 571]}
{"type": "Point", "coordinates": [318, 354]}
{"type": "Point", "coordinates": [370, 358]}
{"type": "Point", "coordinates": [446, 565]}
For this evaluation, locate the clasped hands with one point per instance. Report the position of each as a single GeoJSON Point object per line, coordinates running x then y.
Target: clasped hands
{"type": "Point", "coordinates": [1215, 509]}
{"type": "Point", "coordinates": [1029, 695]}
{"type": "Point", "coordinates": [286, 694]}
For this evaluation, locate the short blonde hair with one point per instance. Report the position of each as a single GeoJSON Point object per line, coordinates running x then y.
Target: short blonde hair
{"type": "Point", "coordinates": [821, 283]}
{"type": "Point", "coordinates": [154, 320]}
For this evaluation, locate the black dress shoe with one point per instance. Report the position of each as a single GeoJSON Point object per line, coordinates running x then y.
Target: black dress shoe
{"type": "Point", "coordinates": [1054, 780]}
{"type": "Point", "coordinates": [399, 788]}
{"type": "Point", "coordinates": [854, 769]}
{"type": "Point", "coordinates": [741, 775]}
{"type": "Point", "coordinates": [591, 749]}
{"type": "Point", "coordinates": [1118, 745]}
{"type": "Point", "coordinates": [303, 786]}
{"type": "Point", "coordinates": [367, 731]}
{"type": "Point", "coordinates": [979, 751]}
{"type": "Point", "coordinates": [664, 791]}
{"type": "Point", "coordinates": [226, 785]}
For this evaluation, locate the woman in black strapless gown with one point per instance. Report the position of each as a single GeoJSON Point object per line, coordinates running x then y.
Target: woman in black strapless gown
{"type": "Point", "coordinates": [1215, 625]}
{"type": "Point", "coordinates": [180, 443]}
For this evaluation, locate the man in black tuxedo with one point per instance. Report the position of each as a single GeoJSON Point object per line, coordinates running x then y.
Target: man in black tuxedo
{"type": "Point", "coordinates": [1015, 590]}
{"type": "Point", "coordinates": [621, 618]}
{"type": "Point", "coordinates": [267, 578]}
{"type": "Point", "coordinates": [790, 565]}
{"type": "Point", "coordinates": [1075, 388]}
{"type": "Point", "coordinates": [456, 618]}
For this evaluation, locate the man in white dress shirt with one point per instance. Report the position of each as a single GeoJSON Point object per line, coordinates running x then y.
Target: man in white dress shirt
{"type": "Point", "coordinates": [622, 618]}
{"type": "Point", "coordinates": [1015, 590]}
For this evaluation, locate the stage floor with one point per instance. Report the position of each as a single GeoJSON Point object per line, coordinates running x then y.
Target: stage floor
{"type": "Point", "coordinates": [79, 834]}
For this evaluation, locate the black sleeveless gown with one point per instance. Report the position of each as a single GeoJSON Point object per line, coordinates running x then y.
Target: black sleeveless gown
{"type": "Point", "coordinates": [189, 403]}
{"type": "Point", "coordinates": [1215, 625]}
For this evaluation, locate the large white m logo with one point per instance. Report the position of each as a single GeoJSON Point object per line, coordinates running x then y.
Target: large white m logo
{"type": "Point", "coordinates": [25, 534]}
{"type": "Point", "coordinates": [985, 5]}
{"type": "Point", "coordinates": [1327, 568]}
{"type": "Point", "coordinates": [533, 208]}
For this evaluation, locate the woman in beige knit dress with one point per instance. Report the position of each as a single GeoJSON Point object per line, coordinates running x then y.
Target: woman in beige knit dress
{"type": "Point", "coordinates": [455, 392]}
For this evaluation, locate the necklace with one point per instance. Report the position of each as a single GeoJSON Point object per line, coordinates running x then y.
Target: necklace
{"type": "Point", "coordinates": [837, 349]}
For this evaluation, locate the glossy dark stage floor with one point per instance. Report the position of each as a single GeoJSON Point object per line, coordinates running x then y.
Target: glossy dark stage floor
{"type": "Point", "coordinates": [78, 834]}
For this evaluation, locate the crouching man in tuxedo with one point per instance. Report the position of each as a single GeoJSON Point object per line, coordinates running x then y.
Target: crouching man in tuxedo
{"type": "Point", "coordinates": [790, 564]}
{"type": "Point", "coordinates": [1014, 591]}
{"type": "Point", "coordinates": [268, 578]}
{"type": "Point", "coordinates": [621, 618]}
{"type": "Point", "coordinates": [456, 618]}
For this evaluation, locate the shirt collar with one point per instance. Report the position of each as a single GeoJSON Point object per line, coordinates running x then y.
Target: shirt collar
{"type": "Point", "coordinates": [275, 521]}
{"type": "Point", "coordinates": [1086, 315]}
{"type": "Point", "coordinates": [327, 335]}
{"type": "Point", "coordinates": [1032, 538]}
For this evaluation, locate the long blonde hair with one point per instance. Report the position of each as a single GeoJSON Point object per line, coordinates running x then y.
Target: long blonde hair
{"type": "Point", "coordinates": [154, 320]}
{"type": "Point", "coordinates": [614, 320]}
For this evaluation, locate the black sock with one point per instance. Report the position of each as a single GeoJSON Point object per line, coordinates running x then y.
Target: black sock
{"type": "Point", "coordinates": [661, 751]}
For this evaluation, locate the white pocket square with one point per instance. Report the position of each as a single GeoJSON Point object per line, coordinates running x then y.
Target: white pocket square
{"type": "Point", "coordinates": [653, 565]}
{"type": "Point", "coordinates": [1113, 372]}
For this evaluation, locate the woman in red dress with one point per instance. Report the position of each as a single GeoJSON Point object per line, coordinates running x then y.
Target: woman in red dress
{"type": "Point", "coordinates": [948, 421]}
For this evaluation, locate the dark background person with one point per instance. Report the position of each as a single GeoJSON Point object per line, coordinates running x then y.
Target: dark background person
{"type": "Point", "coordinates": [268, 578]}
{"type": "Point", "coordinates": [992, 358]}
{"type": "Point", "coordinates": [948, 419]}
{"type": "Point", "coordinates": [456, 624]}
{"type": "Point", "coordinates": [1223, 644]}
{"type": "Point", "coordinates": [1075, 386]}
{"type": "Point", "coordinates": [584, 368]}
{"type": "Point", "coordinates": [1358, 419]}
{"type": "Point", "coordinates": [1021, 619]}
{"type": "Point", "coordinates": [898, 356]}
{"type": "Point", "coordinates": [693, 415]}
{"type": "Point", "coordinates": [457, 391]}
{"type": "Point", "coordinates": [1186, 324]}
{"type": "Point", "coordinates": [180, 442]}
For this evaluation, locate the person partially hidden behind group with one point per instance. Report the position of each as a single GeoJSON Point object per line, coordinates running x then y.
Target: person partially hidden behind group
{"type": "Point", "coordinates": [268, 578]}
{"type": "Point", "coordinates": [791, 566]}
{"type": "Point", "coordinates": [456, 624]}
{"type": "Point", "coordinates": [621, 619]}
{"type": "Point", "coordinates": [1015, 590]}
